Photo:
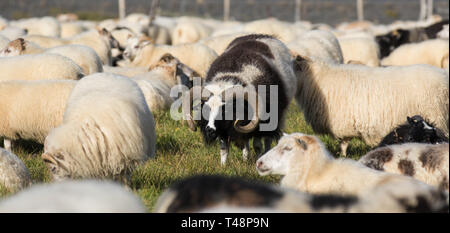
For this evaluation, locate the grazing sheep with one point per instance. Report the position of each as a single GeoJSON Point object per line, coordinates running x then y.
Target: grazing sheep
{"type": "Point", "coordinates": [220, 43]}
{"type": "Point", "coordinates": [364, 50]}
{"type": "Point", "coordinates": [82, 55]}
{"type": "Point", "coordinates": [45, 41]}
{"type": "Point", "coordinates": [231, 194]}
{"type": "Point", "coordinates": [368, 102]}
{"type": "Point", "coordinates": [38, 67]}
{"type": "Point", "coordinates": [430, 52]}
{"type": "Point", "coordinates": [45, 26]}
{"type": "Point", "coordinates": [250, 66]}
{"type": "Point", "coordinates": [307, 166]}
{"type": "Point", "coordinates": [197, 56]}
{"type": "Point", "coordinates": [425, 162]}
{"type": "Point", "coordinates": [100, 40]}
{"type": "Point", "coordinates": [134, 44]}
{"type": "Point", "coordinates": [107, 130]}
{"type": "Point", "coordinates": [316, 43]}
{"type": "Point", "coordinates": [13, 173]}
{"type": "Point", "coordinates": [45, 99]}
{"type": "Point", "coordinates": [190, 32]}
{"type": "Point", "coordinates": [416, 129]}
{"type": "Point", "coordinates": [83, 196]}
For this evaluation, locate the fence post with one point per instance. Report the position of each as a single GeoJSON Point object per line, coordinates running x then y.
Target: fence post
{"type": "Point", "coordinates": [430, 9]}
{"type": "Point", "coordinates": [298, 9]}
{"type": "Point", "coordinates": [360, 9]}
{"type": "Point", "coordinates": [153, 10]}
{"type": "Point", "coordinates": [226, 10]}
{"type": "Point", "coordinates": [121, 9]}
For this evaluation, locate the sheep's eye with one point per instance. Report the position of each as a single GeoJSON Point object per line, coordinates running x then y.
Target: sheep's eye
{"type": "Point", "coordinates": [136, 47]}
{"type": "Point", "coordinates": [287, 148]}
{"type": "Point", "coordinates": [7, 51]}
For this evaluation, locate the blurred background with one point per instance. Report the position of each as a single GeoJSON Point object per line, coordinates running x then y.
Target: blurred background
{"type": "Point", "coordinates": [331, 12]}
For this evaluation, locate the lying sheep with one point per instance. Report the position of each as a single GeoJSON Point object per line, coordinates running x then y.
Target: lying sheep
{"type": "Point", "coordinates": [82, 55]}
{"type": "Point", "coordinates": [430, 52]}
{"type": "Point", "coordinates": [358, 101]}
{"type": "Point", "coordinates": [197, 56]}
{"type": "Point", "coordinates": [107, 130]}
{"type": "Point", "coordinates": [38, 67]}
{"type": "Point", "coordinates": [416, 129]}
{"type": "Point", "coordinates": [364, 50]}
{"type": "Point", "coordinates": [307, 166]}
{"type": "Point", "coordinates": [45, 100]}
{"type": "Point", "coordinates": [84, 196]}
{"type": "Point", "coordinates": [13, 173]}
{"type": "Point", "coordinates": [425, 162]}
{"type": "Point", "coordinates": [231, 194]}
{"type": "Point", "coordinates": [320, 44]}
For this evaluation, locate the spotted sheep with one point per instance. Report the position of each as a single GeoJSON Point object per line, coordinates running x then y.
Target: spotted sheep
{"type": "Point", "coordinates": [425, 162]}
{"type": "Point", "coordinates": [307, 166]}
{"type": "Point", "coordinates": [213, 193]}
{"type": "Point", "coordinates": [249, 63]}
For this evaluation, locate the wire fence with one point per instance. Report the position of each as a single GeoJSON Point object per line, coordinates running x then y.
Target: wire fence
{"type": "Point", "coordinates": [317, 11]}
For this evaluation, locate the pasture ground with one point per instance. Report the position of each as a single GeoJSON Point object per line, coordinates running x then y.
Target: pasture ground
{"type": "Point", "coordinates": [181, 153]}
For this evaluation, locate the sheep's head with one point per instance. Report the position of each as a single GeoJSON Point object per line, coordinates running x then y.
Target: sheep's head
{"type": "Point", "coordinates": [224, 110]}
{"type": "Point", "coordinates": [181, 73]}
{"type": "Point", "coordinates": [14, 48]}
{"type": "Point", "coordinates": [291, 148]}
{"type": "Point", "coordinates": [55, 158]}
{"type": "Point", "coordinates": [422, 131]}
{"type": "Point", "coordinates": [109, 38]}
{"type": "Point", "coordinates": [135, 44]}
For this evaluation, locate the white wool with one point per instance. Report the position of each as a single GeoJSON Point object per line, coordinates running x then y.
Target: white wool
{"type": "Point", "coordinates": [190, 32]}
{"type": "Point", "coordinates": [430, 52]}
{"type": "Point", "coordinates": [364, 50]}
{"type": "Point", "coordinates": [12, 33]}
{"type": "Point", "coordinates": [45, 99]}
{"type": "Point", "coordinates": [368, 102]}
{"type": "Point", "coordinates": [70, 29]}
{"type": "Point", "coordinates": [125, 71]}
{"type": "Point", "coordinates": [38, 67]}
{"type": "Point", "coordinates": [197, 56]}
{"type": "Point", "coordinates": [320, 44]}
{"type": "Point", "coordinates": [87, 196]}
{"type": "Point", "coordinates": [82, 55]}
{"type": "Point", "coordinates": [220, 43]}
{"type": "Point", "coordinates": [13, 173]}
{"type": "Point", "coordinates": [110, 126]}
{"type": "Point", "coordinates": [3, 41]}
{"type": "Point", "coordinates": [46, 41]}
{"type": "Point", "coordinates": [99, 43]}
{"type": "Point", "coordinates": [45, 26]}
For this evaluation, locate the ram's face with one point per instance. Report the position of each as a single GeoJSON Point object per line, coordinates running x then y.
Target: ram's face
{"type": "Point", "coordinates": [278, 159]}
{"type": "Point", "coordinates": [211, 113]}
{"type": "Point", "coordinates": [56, 159]}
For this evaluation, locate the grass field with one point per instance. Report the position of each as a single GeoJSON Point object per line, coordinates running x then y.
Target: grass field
{"type": "Point", "coordinates": [181, 153]}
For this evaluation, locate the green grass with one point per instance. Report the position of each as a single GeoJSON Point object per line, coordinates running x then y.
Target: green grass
{"type": "Point", "coordinates": [181, 153]}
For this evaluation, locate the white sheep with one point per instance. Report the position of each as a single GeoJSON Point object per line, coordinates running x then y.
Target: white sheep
{"type": "Point", "coordinates": [100, 40]}
{"type": "Point", "coordinates": [220, 43]}
{"type": "Point", "coordinates": [38, 67]}
{"type": "Point", "coordinates": [70, 29]}
{"type": "Point", "coordinates": [12, 33]}
{"type": "Point", "coordinates": [189, 31]}
{"type": "Point", "coordinates": [45, 26]}
{"type": "Point", "coordinates": [14, 175]}
{"type": "Point", "coordinates": [430, 52]}
{"type": "Point", "coordinates": [425, 162]}
{"type": "Point", "coordinates": [125, 71]}
{"type": "Point", "coordinates": [316, 43]}
{"type": "Point", "coordinates": [107, 130]}
{"type": "Point", "coordinates": [364, 50]}
{"type": "Point", "coordinates": [44, 99]}
{"type": "Point", "coordinates": [307, 166]}
{"type": "Point", "coordinates": [3, 41]}
{"type": "Point", "coordinates": [284, 31]}
{"type": "Point", "coordinates": [45, 41]}
{"type": "Point", "coordinates": [368, 102]}
{"type": "Point", "coordinates": [82, 55]}
{"type": "Point", "coordinates": [197, 56]}
{"type": "Point", "coordinates": [82, 196]}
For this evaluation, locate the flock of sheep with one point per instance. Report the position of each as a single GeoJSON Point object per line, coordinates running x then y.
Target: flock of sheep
{"type": "Point", "coordinates": [86, 91]}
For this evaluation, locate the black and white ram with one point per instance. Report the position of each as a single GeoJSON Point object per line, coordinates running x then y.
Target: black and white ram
{"type": "Point", "coordinates": [253, 80]}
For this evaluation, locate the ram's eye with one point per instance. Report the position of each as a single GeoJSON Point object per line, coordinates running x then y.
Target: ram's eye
{"type": "Point", "coordinates": [287, 148]}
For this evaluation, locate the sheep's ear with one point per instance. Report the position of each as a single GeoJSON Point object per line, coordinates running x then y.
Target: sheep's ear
{"type": "Point", "coordinates": [302, 143]}
{"type": "Point", "coordinates": [129, 36]}
{"type": "Point", "coordinates": [300, 63]}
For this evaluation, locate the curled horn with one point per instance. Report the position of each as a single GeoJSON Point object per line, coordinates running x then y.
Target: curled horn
{"type": "Point", "coordinates": [187, 102]}
{"type": "Point", "coordinates": [253, 104]}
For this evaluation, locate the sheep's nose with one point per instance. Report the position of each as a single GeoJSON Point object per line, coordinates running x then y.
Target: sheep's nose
{"type": "Point", "coordinates": [210, 131]}
{"type": "Point", "coordinates": [259, 164]}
